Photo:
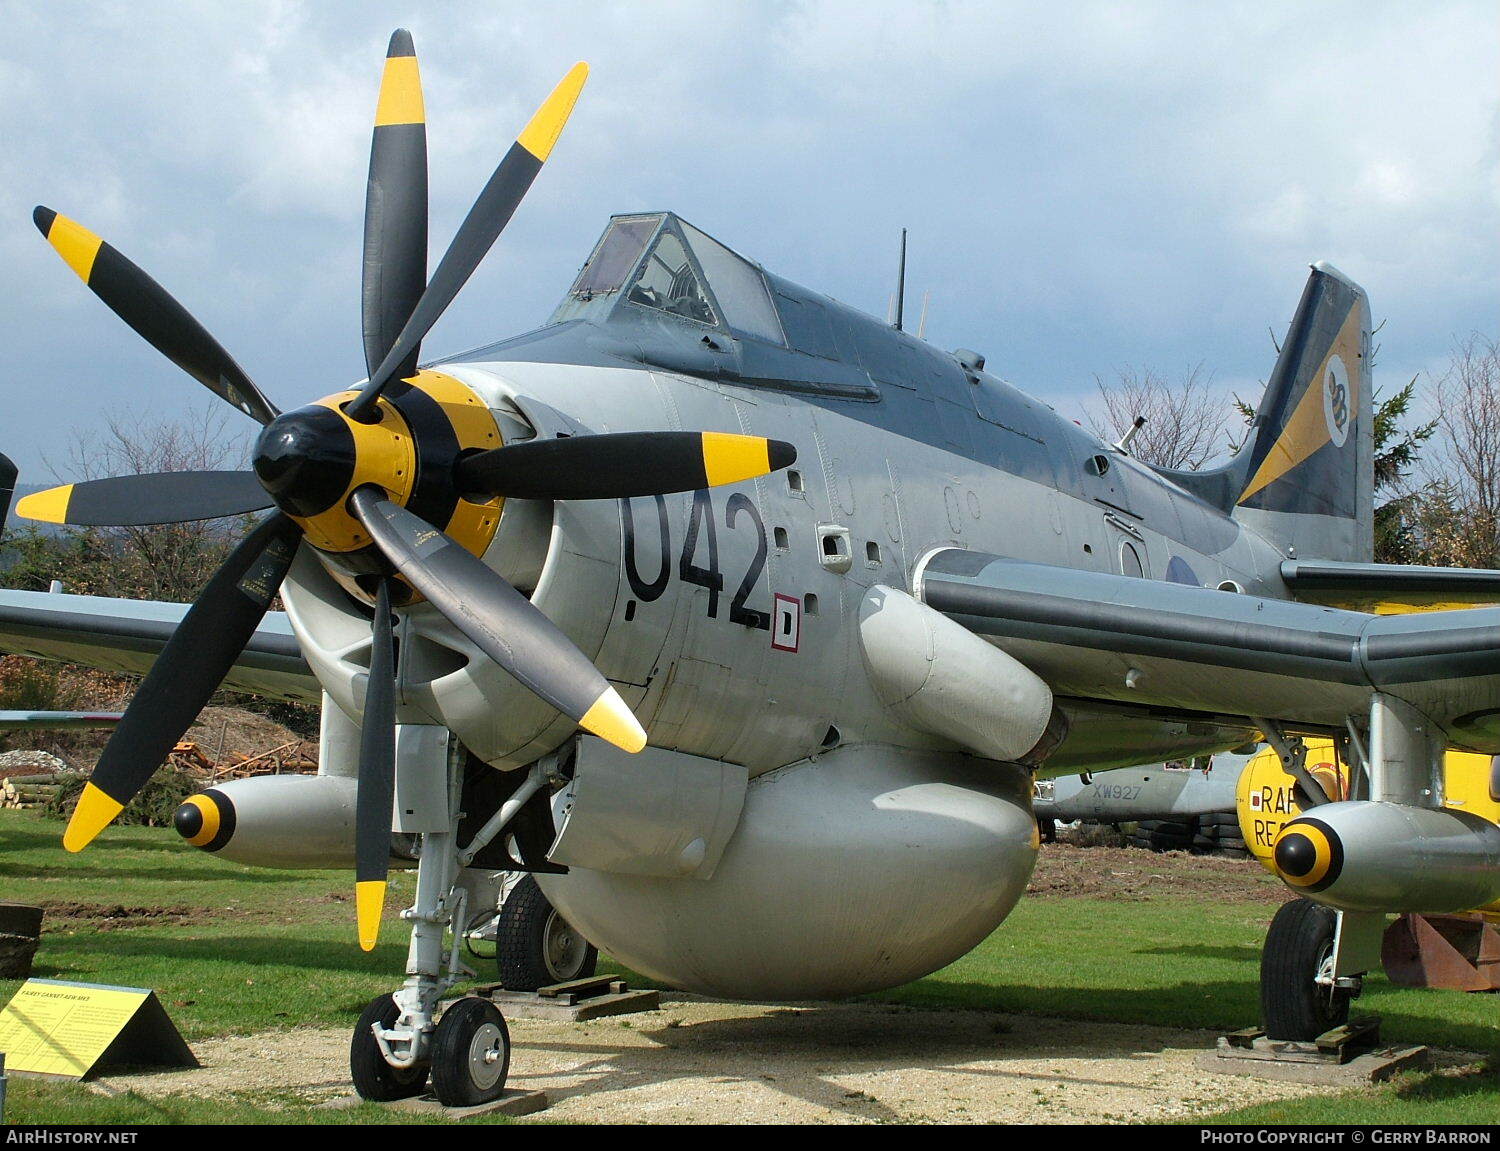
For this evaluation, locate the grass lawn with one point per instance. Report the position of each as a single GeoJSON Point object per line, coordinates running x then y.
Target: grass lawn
{"type": "Point", "coordinates": [232, 949]}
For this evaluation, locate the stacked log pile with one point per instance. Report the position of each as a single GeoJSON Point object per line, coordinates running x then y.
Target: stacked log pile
{"type": "Point", "coordinates": [33, 779]}
{"type": "Point", "coordinates": [28, 791]}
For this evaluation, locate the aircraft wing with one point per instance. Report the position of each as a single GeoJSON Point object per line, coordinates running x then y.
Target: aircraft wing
{"type": "Point", "coordinates": [56, 720]}
{"type": "Point", "coordinates": [126, 635]}
{"type": "Point", "coordinates": [1100, 636]}
{"type": "Point", "coordinates": [1390, 588]}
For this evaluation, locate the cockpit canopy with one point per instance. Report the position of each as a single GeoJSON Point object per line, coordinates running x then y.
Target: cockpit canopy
{"type": "Point", "coordinates": [662, 263]}
{"type": "Point", "coordinates": [656, 290]}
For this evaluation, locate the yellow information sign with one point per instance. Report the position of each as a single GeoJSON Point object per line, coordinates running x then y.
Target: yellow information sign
{"type": "Point", "coordinates": [68, 1029]}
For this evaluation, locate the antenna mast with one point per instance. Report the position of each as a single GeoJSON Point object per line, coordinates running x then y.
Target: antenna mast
{"type": "Point", "coordinates": [901, 283]}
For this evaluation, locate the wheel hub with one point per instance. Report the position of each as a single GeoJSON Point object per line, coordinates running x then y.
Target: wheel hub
{"type": "Point", "coordinates": [486, 1055]}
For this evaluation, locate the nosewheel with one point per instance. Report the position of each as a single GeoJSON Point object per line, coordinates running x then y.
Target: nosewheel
{"type": "Point", "coordinates": [374, 1078]}
{"type": "Point", "coordinates": [470, 1054]}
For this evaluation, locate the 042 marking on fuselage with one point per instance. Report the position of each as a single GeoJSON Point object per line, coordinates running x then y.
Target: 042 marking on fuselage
{"type": "Point", "coordinates": [701, 523]}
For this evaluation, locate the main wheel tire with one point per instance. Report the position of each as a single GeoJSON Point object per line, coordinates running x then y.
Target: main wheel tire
{"type": "Point", "coordinates": [535, 946]}
{"type": "Point", "coordinates": [470, 1054]}
{"type": "Point", "coordinates": [1293, 1005]}
{"type": "Point", "coordinates": [374, 1078]}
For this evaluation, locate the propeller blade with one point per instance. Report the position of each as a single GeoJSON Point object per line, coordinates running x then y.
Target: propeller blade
{"type": "Point", "coordinates": [621, 464]}
{"type": "Point", "coordinates": [503, 623]}
{"type": "Point", "coordinates": [148, 308]}
{"type": "Point", "coordinates": [395, 265]}
{"type": "Point", "coordinates": [186, 673]}
{"type": "Point", "coordinates": [153, 498]}
{"type": "Point", "coordinates": [477, 234]}
{"type": "Point", "coordinates": [377, 776]}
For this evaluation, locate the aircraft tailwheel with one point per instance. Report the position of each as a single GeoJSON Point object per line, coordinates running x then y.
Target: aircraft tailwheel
{"type": "Point", "coordinates": [1298, 948]}
{"type": "Point", "coordinates": [470, 1054]}
{"type": "Point", "coordinates": [374, 1078]}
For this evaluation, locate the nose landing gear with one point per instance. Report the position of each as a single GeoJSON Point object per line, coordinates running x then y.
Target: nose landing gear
{"type": "Point", "coordinates": [401, 1039]}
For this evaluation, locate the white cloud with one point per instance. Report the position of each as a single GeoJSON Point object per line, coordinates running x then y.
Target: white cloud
{"type": "Point", "coordinates": [1087, 184]}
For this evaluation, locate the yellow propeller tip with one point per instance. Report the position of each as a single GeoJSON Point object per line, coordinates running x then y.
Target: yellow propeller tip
{"type": "Point", "coordinates": [95, 812]}
{"type": "Point", "coordinates": [369, 905]}
{"type": "Point", "coordinates": [48, 507]}
{"type": "Point", "coordinates": [78, 247]}
{"type": "Point", "coordinates": [539, 136]}
{"type": "Point", "coordinates": [729, 457]}
{"type": "Point", "coordinates": [610, 718]}
{"type": "Point", "coordinates": [400, 99]}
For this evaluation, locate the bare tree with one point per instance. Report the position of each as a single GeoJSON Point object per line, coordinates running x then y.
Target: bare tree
{"type": "Point", "coordinates": [204, 439]}
{"type": "Point", "coordinates": [170, 561]}
{"type": "Point", "coordinates": [1186, 419]}
{"type": "Point", "coordinates": [1458, 515]}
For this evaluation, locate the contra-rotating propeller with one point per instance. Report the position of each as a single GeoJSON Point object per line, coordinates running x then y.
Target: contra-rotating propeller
{"type": "Point", "coordinates": [347, 473]}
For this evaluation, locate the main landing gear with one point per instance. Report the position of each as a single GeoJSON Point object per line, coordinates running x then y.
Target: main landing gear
{"type": "Point", "coordinates": [401, 1041]}
{"type": "Point", "coordinates": [535, 946]}
{"type": "Point", "coordinates": [1299, 997]}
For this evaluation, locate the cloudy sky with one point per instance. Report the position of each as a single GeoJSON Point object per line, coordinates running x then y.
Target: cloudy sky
{"type": "Point", "coordinates": [1087, 185]}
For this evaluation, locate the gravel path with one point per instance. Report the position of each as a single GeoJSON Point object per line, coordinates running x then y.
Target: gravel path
{"type": "Point", "coordinates": [698, 1061]}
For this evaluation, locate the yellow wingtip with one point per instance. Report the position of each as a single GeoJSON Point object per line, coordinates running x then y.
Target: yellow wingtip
{"type": "Point", "coordinates": [369, 905]}
{"type": "Point", "coordinates": [48, 507]}
{"type": "Point", "coordinates": [75, 244]}
{"type": "Point", "coordinates": [95, 812]}
{"type": "Point", "coordinates": [540, 135]}
{"type": "Point", "coordinates": [729, 458]}
{"type": "Point", "coordinates": [610, 718]}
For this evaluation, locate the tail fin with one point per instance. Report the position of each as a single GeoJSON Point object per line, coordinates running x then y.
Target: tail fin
{"type": "Point", "coordinates": [1305, 478]}
{"type": "Point", "coordinates": [7, 487]}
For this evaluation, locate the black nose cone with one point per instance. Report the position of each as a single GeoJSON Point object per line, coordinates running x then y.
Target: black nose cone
{"type": "Point", "coordinates": [188, 820]}
{"type": "Point", "coordinates": [1296, 855]}
{"type": "Point", "coordinates": [305, 459]}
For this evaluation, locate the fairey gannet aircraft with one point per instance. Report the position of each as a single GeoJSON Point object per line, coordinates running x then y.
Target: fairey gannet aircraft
{"type": "Point", "coordinates": [745, 620]}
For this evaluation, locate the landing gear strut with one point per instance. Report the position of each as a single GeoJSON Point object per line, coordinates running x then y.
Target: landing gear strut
{"type": "Point", "coordinates": [400, 1039]}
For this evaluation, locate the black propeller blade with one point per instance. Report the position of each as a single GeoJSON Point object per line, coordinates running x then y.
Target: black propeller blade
{"type": "Point", "coordinates": [503, 623]}
{"type": "Point", "coordinates": [395, 264]}
{"type": "Point", "coordinates": [620, 464]}
{"type": "Point", "coordinates": [152, 498]}
{"type": "Point", "coordinates": [150, 309]}
{"type": "Point", "coordinates": [477, 234]}
{"type": "Point", "coordinates": [377, 776]}
{"type": "Point", "coordinates": [398, 308]}
{"type": "Point", "coordinates": [186, 673]}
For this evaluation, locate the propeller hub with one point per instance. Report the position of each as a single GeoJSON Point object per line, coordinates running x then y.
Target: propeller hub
{"type": "Point", "coordinates": [306, 459]}
{"type": "Point", "coordinates": [310, 459]}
